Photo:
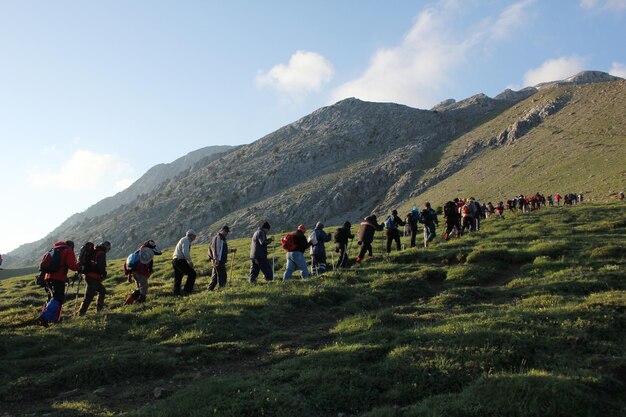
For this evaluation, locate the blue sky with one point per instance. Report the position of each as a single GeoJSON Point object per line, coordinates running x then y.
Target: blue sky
{"type": "Point", "coordinates": [93, 94]}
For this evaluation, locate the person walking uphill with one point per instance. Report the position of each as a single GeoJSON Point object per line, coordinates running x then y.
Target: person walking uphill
{"type": "Point", "coordinates": [429, 219]}
{"type": "Point", "coordinates": [295, 244]}
{"type": "Point", "coordinates": [54, 266]}
{"type": "Point", "coordinates": [182, 264]}
{"type": "Point", "coordinates": [367, 229]}
{"type": "Point", "coordinates": [218, 254]}
{"type": "Point", "coordinates": [411, 222]}
{"type": "Point", "coordinates": [258, 254]}
{"type": "Point", "coordinates": [391, 228]}
{"type": "Point", "coordinates": [317, 239]}
{"type": "Point", "coordinates": [95, 273]}
{"type": "Point", "coordinates": [140, 269]}
{"type": "Point", "coordinates": [342, 235]}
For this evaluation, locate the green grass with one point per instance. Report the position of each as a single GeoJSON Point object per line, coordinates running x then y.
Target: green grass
{"type": "Point", "coordinates": [526, 318]}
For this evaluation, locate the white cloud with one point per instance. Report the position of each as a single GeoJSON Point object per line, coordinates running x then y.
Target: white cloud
{"type": "Point", "coordinates": [604, 5]}
{"type": "Point", "coordinates": [85, 170]}
{"type": "Point", "coordinates": [555, 69]}
{"type": "Point", "coordinates": [305, 72]}
{"type": "Point", "coordinates": [617, 69]}
{"type": "Point", "coordinates": [416, 71]}
{"type": "Point", "coordinates": [510, 19]}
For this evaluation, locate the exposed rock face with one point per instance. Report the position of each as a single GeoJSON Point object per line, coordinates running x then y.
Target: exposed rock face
{"type": "Point", "coordinates": [339, 163]}
{"type": "Point", "coordinates": [532, 119]}
{"type": "Point", "coordinates": [584, 77]}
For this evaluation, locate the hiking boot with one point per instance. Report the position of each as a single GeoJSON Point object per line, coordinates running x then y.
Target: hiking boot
{"type": "Point", "coordinates": [41, 322]}
{"type": "Point", "coordinates": [358, 260]}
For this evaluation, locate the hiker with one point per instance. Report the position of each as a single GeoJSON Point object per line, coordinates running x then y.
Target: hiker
{"type": "Point", "coordinates": [550, 200]}
{"type": "Point", "coordinates": [342, 235]}
{"type": "Point", "coordinates": [621, 196]}
{"type": "Point", "coordinates": [450, 215]}
{"type": "Point", "coordinates": [428, 217]}
{"type": "Point", "coordinates": [500, 209]}
{"type": "Point", "coordinates": [490, 209]}
{"type": "Point", "coordinates": [258, 254]}
{"type": "Point", "coordinates": [295, 244]}
{"type": "Point", "coordinates": [467, 215]}
{"type": "Point", "coordinates": [63, 257]}
{"type": "Point", "coordinates": [182, 264]}
{"type": "Point", "coordinates": [218, 255]}
{"type": "Point", "coordinates": [411, 224]}
{"type": "Point", "coordinates": [391, 224]}
{"type": "Point", "coordinates": [140, 270]}
{"type": "Point", "coordinates": [557, 198]}
{"type": "Point", "coordinates": [478, 214]}
{"type": "Point", "coordinates": [95, 272]}
{"type": "Point", "coordinates": [367, 230]}
{"type": "Point", "coordinates": [317, 239]}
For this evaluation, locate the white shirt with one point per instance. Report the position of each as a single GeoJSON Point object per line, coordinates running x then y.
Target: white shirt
{"type": "Point", "coordinates": [182, 250]}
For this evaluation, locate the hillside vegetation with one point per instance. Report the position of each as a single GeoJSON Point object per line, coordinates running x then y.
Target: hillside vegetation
{"type": "Point", "coordinates": [525, 318]}
{"type": "Point", "coordinates": [577, 149]}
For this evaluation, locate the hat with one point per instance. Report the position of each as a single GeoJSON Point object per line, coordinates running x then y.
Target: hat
{"type": "Point", "coordinates": [415, 210]}
{"type": "Point", "coordinates": [265, 225]}
{"type": "Point", "coordinates": [319, 225]}
{"type": "Point", "coordinates": [106, 245]}
{"type": "Point", "coordinates": [301, 228]}
{"type": "Point", "coordinates": [70, 244]}
{"type": "Point", "coordinates": [191, 232]}
{"type": "Point", "coordinates": [394, 212]}
{"type": "Point", "coordinates": [347, 224]}
{"type": "Point", "coordinates": [225, 228]}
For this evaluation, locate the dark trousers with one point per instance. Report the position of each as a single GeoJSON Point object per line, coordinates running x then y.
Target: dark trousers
{"type": "Point", "coordinates": [218, 277]}
{"type": "Point", "coordinates": [452, 224]}
{"type": "Point", "coordinates": [93, 286]}
{"type": "Point", "coordinates": [365, 247]}
{"type": "Point", "coordinates": [318, 263]}
{"type": "Point", "coordinates": [393, 235]}
{"type": "Point", "coordinates": [56, 290]}
{"type": "Point", "coordinates": [343, 256]}
{"type": "Point", "coordinates": [468, 223]}
{"type": "Point", "coordinates": [181, 268]}
{"type": "Point", "coordinates": [413, 234]}
{"type": "Point", "coordinates": [260, 265]}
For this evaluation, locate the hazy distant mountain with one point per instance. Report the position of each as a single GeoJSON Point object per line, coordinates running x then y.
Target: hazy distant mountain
{"type": "Point", "coordinates": [339, 163]}
{"type": "Point", "coordinates": [148, 182]}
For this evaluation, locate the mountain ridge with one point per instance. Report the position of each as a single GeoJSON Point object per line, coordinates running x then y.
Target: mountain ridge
{"type": "Point", "coordinates": [335, 164]}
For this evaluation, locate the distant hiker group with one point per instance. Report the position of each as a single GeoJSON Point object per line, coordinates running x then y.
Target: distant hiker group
{"type": "Point", "coordinates": [460, 216]}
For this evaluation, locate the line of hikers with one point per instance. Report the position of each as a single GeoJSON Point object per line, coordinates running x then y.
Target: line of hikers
{"type": "Point", "coordinates": [460, 216]}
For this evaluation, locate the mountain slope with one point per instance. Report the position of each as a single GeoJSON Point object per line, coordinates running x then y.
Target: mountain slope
{"type": "Point", "coordinates": [354, 157]}
{"type": "Point", "coordinates": [578, 147]}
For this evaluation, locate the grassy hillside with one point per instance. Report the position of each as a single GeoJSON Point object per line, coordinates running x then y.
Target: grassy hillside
{"type": "Point", "coordinates": [526, 318]}
{"type": "Point", "coordinates": [578, 149]}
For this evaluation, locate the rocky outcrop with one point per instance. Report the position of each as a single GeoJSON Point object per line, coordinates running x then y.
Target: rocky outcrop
{"type": "Point", "coordinates": [532, 119]}
{"type": "Point", "coordinates": [584, 77]}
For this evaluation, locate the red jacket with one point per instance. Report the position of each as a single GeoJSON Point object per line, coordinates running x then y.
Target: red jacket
{"type": "Point", "coordinates": [99, 270]}
{"type": "Point", "coordinates": [68, 261]}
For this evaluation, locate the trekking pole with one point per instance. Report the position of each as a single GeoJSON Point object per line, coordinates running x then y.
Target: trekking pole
{"type": "Point", "coordinates": [231, 266]}
{"type": "Point", "coordinates": [80, 278]}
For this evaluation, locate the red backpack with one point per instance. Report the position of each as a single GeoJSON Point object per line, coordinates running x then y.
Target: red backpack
{"type": "Point", "coordinates": [288, 242]}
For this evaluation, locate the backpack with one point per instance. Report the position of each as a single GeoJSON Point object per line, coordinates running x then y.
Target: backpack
{"type": "Point", "coordinates": [465, 210]}
{"type": "Point", "coordinates": [448, 209]}
{"type": "Point", "coordinates": [131, 262]}
{"type": "Point", "coordinates": [86, 258]}
{"type": "Point", "coordinates": [340, 235]}
{"type": "Point", "coordinates": [51, 260]}
{"type": "Point", "coordinates": [426, 216]}
{"type": "Point", "coordinates": [288, 242]}
{"type": "Point", "coordinates": [313, 238]}
{"type": "Point", "coordinates": [390, 223]}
